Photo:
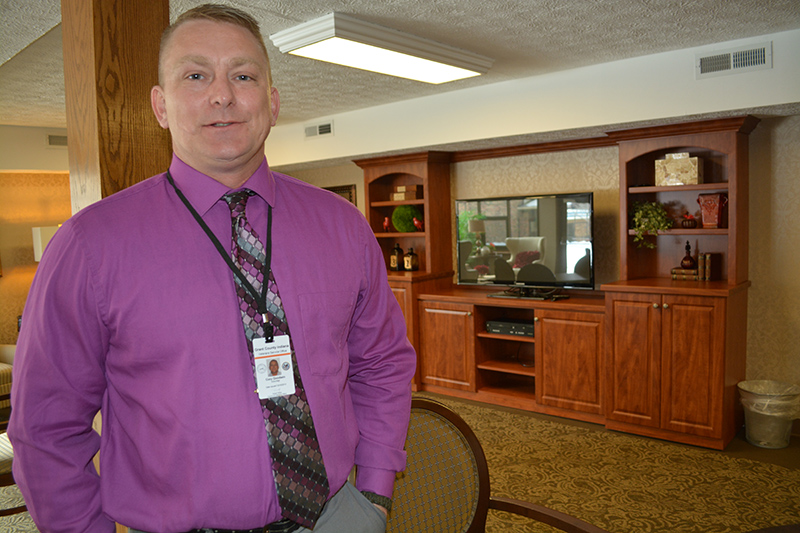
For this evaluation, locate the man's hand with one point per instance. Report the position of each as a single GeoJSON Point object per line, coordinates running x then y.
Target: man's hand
{"type": "Point", "coordinates": [382, 509]}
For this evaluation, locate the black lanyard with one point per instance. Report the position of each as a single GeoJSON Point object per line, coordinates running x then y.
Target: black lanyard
{"type": "Point", "coordinates": [260, 299]}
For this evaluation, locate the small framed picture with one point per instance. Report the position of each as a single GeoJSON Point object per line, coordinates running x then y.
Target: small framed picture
{"type": "Point", "coordinates": [348, 192]}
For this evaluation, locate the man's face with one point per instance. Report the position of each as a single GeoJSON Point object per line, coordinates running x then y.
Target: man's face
{"type": "Point", "coordinates": [216, 99]}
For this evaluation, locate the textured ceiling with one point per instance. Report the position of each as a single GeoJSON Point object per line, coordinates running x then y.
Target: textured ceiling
{"type": "Point", "coordinates": [524, 37]}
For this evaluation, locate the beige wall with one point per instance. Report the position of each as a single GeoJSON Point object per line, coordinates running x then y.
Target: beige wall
{"type": "Point", "coordinates": [24, 148]}
{"type": "Point", "coordinates": [773, 332]}
{"type": "Point", "coordinates": [27, 199]}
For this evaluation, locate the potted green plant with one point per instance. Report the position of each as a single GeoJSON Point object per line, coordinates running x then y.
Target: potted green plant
{"type": "Point", "coordinates": [648, 219]}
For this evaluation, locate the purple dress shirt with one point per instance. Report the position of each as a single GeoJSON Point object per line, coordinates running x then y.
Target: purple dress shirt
{"type": "Point", "coordinates": [134, 312]}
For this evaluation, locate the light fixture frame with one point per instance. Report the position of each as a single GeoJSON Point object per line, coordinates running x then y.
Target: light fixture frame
{"type": "Point", "coordinates": [350, 28]}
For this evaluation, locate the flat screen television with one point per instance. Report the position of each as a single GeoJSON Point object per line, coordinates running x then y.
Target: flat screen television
{"type": "Point", "coordinates": [531, 246]}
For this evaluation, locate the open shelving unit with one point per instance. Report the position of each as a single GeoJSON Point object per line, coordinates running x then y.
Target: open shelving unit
{"type": "Point", "coordinates": [676, 349]}
{"type": "Point", "coordinates": [723, 149]}
{"type": "Point", "coordinates": [430, 172]}
{"type": "Point", "coordinates": [506, 364]}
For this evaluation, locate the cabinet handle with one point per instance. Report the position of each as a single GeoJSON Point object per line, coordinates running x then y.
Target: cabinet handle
{"type": "Point", "coordinates": [536, 319]}
{"type": "Point", "coordinates": [655, 306]}
{"type": "Point", "coordinates": [666, 306]}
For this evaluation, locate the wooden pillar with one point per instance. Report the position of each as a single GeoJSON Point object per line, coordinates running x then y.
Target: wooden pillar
{"type": "Point", "coordinates": [110, 64]}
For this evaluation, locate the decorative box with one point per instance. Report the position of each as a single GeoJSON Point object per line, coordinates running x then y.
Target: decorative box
{"type": "Point", "coordinates": [407, 195]}
{"type": "Point", "coordinates": [405, 192]}
{"type": "Point", "coordinates": [679, 169]}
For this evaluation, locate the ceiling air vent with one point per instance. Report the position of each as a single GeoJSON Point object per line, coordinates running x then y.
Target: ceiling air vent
{"type": "Point", "coordinates": [734, 60]}
{"type": "Point", "coordinates": [326, 128]}
{"type": "Point", "coordinates": [59, 141]}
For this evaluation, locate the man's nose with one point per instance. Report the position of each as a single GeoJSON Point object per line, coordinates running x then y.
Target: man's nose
{"type": "Point", "coordinates": [222, 92]}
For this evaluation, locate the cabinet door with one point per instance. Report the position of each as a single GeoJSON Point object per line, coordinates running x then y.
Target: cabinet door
{"type": "Point", "coordinates": [447, 340]}
{"type": "Point", "coordinates": [633, 361]}
{"type": "Point", "coordinates": [569, 347]}
{"type": "Point", "coordinates": [692, 364]}
{"type": "Point", "coordinates": [402, 293]}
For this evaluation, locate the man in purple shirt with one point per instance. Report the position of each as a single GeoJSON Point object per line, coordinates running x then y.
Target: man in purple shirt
{"type": "Point", "coordinates": [134, 312]}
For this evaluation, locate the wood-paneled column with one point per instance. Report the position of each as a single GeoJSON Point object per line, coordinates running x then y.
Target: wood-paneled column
{"type": "Point", "coordinates": [110, 64]}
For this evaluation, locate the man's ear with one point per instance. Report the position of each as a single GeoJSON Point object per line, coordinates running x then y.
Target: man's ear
{"type": "Point", "coordinates": [275, 105]}
{"type": "Point", "coordinates": [159, 105]}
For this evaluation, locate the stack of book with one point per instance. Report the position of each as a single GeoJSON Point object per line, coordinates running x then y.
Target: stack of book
{"type": "Point", "coordinates": [708, 269]}
{"type": "Point", "coordinates": [405, 192]}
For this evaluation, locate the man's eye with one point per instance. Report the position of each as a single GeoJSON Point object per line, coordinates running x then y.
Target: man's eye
{"type": "Point", "coordinates": [195, 76]}
{"type": "Point", "coordinates": [243, 77]}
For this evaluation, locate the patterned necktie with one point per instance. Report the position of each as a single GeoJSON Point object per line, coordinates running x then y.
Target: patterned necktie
{"type": "Point", "coordinates": [296, 459]}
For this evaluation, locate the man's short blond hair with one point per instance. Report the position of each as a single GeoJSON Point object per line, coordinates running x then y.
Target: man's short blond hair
{"type": "Point", "coordinates": [214, 13]}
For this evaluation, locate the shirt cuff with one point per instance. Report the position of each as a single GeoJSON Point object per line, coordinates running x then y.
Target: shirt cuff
{"type": "Point", "coordinates": [375, 480]}
{"type": "Point", "coordinates": [377, 499]}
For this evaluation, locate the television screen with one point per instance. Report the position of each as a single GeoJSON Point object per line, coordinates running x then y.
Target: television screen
{"type": "Point", "coordinates": [524, 242]}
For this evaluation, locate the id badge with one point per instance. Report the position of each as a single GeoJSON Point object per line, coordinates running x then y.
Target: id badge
{"type": "Point", "coordinates": [274, 372]}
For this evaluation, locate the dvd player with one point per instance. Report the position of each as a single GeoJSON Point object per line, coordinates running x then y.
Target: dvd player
{"type": "Point", "coordinates": [523, 328]}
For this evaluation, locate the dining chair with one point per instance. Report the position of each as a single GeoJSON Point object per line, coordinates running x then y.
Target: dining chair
{"type": "Point", "coordinates": [445, 486]}
{"type": "Point", "coordinates": [6, 459]}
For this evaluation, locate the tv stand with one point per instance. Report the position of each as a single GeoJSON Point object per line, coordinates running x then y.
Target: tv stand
{"type": "Point", "coordinates": [460, 356]}
{"type": "Point", "coordinates": [530, 293]}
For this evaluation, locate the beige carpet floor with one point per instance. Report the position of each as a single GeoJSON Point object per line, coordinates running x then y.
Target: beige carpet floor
{"type": "Point", "coordinates": [624, 483]}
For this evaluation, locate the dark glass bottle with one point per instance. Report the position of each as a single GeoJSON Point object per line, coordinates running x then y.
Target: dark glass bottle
{"type": "Point", "coordinates": [396, 258]}
{"type": "Point", "coordinates": [411, 260]}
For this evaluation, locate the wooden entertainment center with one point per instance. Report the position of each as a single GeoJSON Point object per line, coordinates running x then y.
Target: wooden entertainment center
{"type": "Point", "coordinates": [646, 354]}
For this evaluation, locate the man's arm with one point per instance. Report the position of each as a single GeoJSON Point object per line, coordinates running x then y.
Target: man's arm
{"type": "Point", "coordinates": [382, 365]}
{"type": "Point", "coordinates": [58, 387]}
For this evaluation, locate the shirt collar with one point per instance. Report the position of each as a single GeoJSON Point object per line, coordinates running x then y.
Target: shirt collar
{"type": "Point", "coordinates": [203, 191]}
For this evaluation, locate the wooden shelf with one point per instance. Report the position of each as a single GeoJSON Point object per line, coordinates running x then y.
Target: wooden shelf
{"type": "Point", "coordinates": [723, 186]}
{"type": "Point", "coordinates": [508, 367]}
{"type": "Point", "coordinates": [520, 338]}
{"type": "Point", "coordinates": [518, 391]}
{"type": "Point", "coordinates": [394, 203]}
{"type": "Point", "coordinates": [673, 286]}
{"type": "Point", "coordinates": [688, 231]}
{"type": "Point", "coordinates": [397, 235]}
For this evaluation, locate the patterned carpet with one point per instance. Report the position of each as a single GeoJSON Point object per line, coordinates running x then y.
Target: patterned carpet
{"type": "Point", "coordinates": [622, 483]}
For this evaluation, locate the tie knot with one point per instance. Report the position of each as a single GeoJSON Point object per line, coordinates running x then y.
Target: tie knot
{"type": "Point", "coordinates": [238, 200]}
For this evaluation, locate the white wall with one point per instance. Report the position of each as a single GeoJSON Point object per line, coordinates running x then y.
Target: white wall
{"type": "Point", "coordinates": [645, 88]}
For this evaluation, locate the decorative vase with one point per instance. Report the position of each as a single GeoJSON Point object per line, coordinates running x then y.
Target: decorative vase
{"type": "Point", "coordinates": [688, 261]}
{"type": "Point", "coordinates": [711, 208]}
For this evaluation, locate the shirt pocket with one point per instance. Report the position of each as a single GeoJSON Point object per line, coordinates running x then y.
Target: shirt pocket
{"type": "Point", "coordinates": [326, 325]}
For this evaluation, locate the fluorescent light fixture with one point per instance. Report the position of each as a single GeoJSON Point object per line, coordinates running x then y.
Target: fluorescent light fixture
{"type": "Point", "coordinates": [41, 236]}
{"type": "Point", "coordinates": [342, 39]}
